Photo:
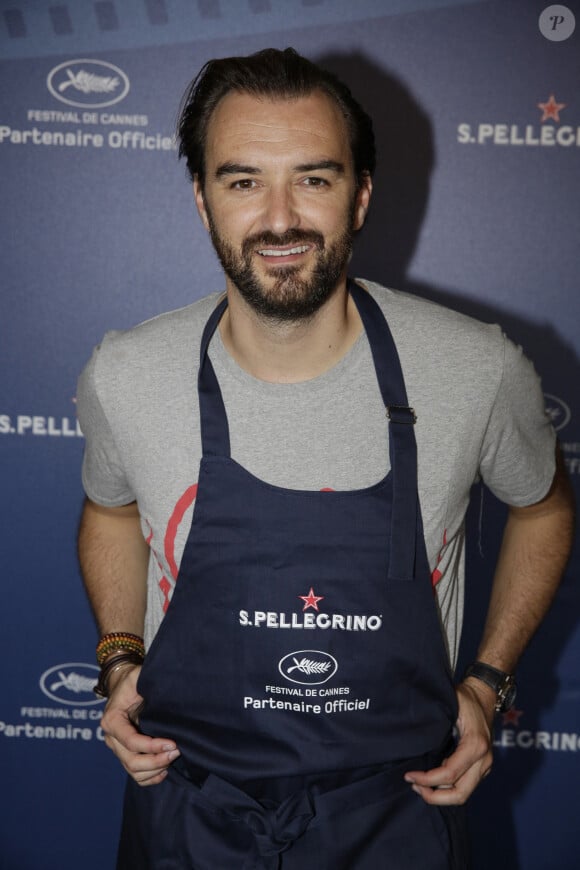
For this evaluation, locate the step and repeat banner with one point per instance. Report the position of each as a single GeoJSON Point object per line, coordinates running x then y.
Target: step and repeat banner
{"type": "Point", "coordinates": [477, 112]}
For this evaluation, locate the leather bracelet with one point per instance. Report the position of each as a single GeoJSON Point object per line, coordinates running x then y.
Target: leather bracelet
{"type": "Point", "coordinates": [113, 664]}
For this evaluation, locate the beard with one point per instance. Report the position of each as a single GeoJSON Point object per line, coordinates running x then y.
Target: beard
{"type": "Point", "coordinates": [288, 296]}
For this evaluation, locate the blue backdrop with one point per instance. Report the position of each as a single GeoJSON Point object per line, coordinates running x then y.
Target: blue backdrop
{"type": "Point", "coordinates": [477, 112]}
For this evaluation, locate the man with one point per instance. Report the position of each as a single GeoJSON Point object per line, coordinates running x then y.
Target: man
{"type": "Point", "coordinates": [295, 708]}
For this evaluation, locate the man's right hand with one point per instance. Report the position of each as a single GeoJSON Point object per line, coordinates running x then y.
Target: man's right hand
{"type": "Point", "coordinates": [146, 759]}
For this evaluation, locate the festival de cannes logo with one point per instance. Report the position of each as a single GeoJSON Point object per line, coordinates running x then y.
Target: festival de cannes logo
{"type": "Point", "coordinates": [308, 667]}
{"type": "Point", "coordinates": [88, 83]}
{"type": "Point", "coordinates": [71, 683]}
{"type": "Point", "coordinates": [558, 411]}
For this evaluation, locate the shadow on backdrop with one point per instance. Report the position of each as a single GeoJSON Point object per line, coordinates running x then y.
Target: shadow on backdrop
{"type": "Point", "coordinates": [383, 252]}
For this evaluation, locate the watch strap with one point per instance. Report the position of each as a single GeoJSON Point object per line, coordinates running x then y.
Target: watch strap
{"type": "Point", "coordinates": [502, 683]}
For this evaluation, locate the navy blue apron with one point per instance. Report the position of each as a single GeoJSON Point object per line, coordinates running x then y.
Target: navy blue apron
{"type": "Point", "coordinates": [300, 667]}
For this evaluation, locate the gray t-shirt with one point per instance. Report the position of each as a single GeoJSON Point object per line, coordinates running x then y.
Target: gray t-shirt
{"type": "Point", "coordinates": [479, 409]}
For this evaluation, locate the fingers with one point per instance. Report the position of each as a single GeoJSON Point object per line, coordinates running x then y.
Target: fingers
{"type": "Point", "coordinates": [144, 758]}
{"type": "Point", "coordinates": [459, 774]}
{"type": "Point", "coordinates": [454, 781]}
{"type": "Point", "coordinates": [117, 724]}
{"type": "Point", "coordinates": [146, 768]}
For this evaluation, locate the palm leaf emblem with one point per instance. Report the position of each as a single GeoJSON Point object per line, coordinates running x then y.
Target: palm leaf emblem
{"type": "Point", "coordinates": [307, 666]}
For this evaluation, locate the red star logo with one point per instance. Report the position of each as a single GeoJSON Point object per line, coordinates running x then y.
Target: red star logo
{"type": "Point", "coordinates": [311, 600]}
{"type": "Point", "coordinates": [551, 110]}
{"type": "Point", "coordinates": [512, 717]}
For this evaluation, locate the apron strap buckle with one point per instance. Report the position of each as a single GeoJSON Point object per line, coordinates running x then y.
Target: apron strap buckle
{"type": "Point", "coordinates": [401, 414]}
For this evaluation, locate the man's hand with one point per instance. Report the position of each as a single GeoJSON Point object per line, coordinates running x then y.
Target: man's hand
{"type": "Point", "coordinates": [146, 759]}
{"type": "Point", "coordinates": [536, 544]}
{"type": "Point", "coordinates": [114, 558]}
{"type": "Point", "coordinates": [461, 772]}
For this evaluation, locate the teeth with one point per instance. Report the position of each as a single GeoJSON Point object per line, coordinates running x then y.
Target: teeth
{"type": "Point", "coordinates": [267, 252]}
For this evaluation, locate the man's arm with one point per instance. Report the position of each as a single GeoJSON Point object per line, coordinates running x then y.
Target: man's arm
{"type": "Point", "coordinates": [534, 551]}
{"type": "Point", "coordinates": [114, 557]}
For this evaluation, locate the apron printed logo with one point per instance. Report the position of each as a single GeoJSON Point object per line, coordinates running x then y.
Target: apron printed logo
{"type": "Point", "coordinates": [333, 621]}
{"type": "Point", "coordinates": [308, 667]}
{"type": "Point", "coordinates": [311, 600]}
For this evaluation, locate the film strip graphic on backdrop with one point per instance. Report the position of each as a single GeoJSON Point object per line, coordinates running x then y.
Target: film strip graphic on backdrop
{"type": "Point", "coordinates": [47, 27]}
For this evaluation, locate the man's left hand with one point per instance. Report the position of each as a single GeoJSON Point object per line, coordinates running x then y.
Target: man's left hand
{"type": "Point", "coordinates": [460, 773]}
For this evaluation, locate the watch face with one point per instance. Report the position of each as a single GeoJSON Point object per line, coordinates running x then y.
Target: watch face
{"type": "Point", "coordinates": [509, 697]}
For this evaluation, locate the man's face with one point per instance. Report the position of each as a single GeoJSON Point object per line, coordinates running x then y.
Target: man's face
{"type": "Point", "coordinates": [280, 200]}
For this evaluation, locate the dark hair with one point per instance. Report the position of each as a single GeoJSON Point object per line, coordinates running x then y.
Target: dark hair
{"type": "Point", "coordinates": [268, 73]}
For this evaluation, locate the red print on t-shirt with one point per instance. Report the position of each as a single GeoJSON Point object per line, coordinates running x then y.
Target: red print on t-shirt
{"type": "Point", "coordinates": [437, 574]}
{"type": "Point", "coordinates": [183, 503]}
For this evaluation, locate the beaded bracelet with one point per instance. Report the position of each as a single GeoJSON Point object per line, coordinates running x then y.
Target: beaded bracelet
{"type": "Point", "coordinates": [119, 641]}
{"type": "Point", "coordinates": [113, 664]}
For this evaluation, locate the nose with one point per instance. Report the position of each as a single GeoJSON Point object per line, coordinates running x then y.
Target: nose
{"type": "Point", "coordinates": [281, 209]}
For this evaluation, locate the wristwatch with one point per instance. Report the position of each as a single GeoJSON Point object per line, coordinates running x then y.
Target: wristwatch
{"type": "Point", "coordinates": [504, 685]}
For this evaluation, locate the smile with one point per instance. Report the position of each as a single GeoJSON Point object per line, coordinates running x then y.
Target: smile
{"type": "Point", "coordinates": [276, 252]}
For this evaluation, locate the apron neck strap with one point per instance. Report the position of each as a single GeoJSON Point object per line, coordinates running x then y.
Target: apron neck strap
{"type": "Point", "coordinates": [402, 444]}
{"type": "Point", "coordinates": [215, 436]}
{"type": "Point", "coordinates": [215, 433]}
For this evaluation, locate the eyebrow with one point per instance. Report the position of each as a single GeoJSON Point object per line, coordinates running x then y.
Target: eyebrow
{"type": "Point", "coordinates": [236, 169]}
{"type": "Point", "coordinates": [230, 168]}
{"type": "Point", "coordinates": [321, 164]}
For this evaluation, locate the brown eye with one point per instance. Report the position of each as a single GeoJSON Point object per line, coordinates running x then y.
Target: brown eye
{"type": "Point", "coordinates": [315, 181]}
{"type": "Point", "coordinates": [243, 184]}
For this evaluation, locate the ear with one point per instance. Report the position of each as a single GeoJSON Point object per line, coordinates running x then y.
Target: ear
{"type": "Point", "coordinates": [362, 200]}
{"type": "Point", "coordinates": [200, 201]}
